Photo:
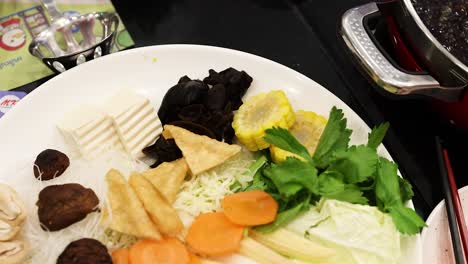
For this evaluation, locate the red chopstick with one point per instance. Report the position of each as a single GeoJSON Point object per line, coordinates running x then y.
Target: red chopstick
{"type": "Point", "coordinates": [457, 204]}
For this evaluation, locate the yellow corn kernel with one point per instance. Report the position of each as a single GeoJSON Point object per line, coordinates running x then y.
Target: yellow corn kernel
{"type": "Point", "coordinates": [259, 113]}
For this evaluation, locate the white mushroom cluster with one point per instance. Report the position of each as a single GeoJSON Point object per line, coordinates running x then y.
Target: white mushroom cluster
{"type": "Point", "coordinates": [13, 249]}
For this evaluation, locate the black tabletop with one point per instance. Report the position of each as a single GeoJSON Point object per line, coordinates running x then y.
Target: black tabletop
{"type": "Point", "coordinates": [303, 36]}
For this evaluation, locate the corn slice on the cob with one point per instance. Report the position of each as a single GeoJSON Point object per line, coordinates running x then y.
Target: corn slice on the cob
{"type": "Point", "coordinates": [292, 245]}
{"type": "Point", "coordinates": [307, 129]}
{"type": "Point", "coordinates": [259, 113]}
{"type": "Point", "coordinates": [260, 253]}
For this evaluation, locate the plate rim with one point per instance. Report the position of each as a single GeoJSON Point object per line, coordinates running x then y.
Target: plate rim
{"type": "Point", "coordinates": [418, 250]}
{"type": "Point", "coordinates": [437, 210]}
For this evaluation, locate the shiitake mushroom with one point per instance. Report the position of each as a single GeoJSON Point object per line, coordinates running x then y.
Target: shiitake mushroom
{"type": "Point", "coordinates": [60, 206]}
{"type": "Point", "coordinates": [85, 251]}
{"type": "Point", "coordinates": [50, 164]}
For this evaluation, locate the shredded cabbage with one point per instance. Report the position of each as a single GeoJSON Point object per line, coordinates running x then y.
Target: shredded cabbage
{"type": "Point", "coordinates": [115, 240]}
{"type": "Point", "coordinates": [203, 193]}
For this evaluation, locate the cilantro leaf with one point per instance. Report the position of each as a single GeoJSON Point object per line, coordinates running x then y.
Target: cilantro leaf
{"type": "Point", "coordinates": [377, 135]}
{"type": "Point", "coordinates": [292, 175]}
{"type": "Point", "coordinates": [285, 217]}
{"type": "Point", "coordinates": [335, 137]}
{"type": "Point", "coordinates": [260, 182]}
{"type": "Point", "coordinates": [406, 220]}
{"type": "Point", "coordinates": [406, 190]}
{"type": "Point", "coordinates": [390, 198]}
{"type": "Point", "coordinates": [350, 194]}
{"type": "Point", "coordinates": [357, 164]}
{"type": "Point", "coordinates": [330, 183]}
{"type": "Point", "coordinates": [367, 185]}
{"type": "Point", "coordinates": [331, 186]}
{"type": "Point", "coordinates": [283, 139]}
{"type": "Point", "coordinates": [343, 141]}
{"type": "Point", "coordinates": [387, 187]}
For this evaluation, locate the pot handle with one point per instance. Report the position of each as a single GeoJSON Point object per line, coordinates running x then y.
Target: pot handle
{"type": "Point", "coordinates": [380, 69]}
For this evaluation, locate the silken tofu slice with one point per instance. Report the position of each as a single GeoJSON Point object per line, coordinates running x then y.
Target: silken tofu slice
{"type": "Point", "coordinates": [135, 121]}
{"type": "Point", "coordinates": [89, 131]}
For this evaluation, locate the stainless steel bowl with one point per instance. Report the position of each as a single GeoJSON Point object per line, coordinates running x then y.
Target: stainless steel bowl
{"type": "Point", "coordinates": [447, 76]}
{"type": "Point", "coordinates": [71, 41]}
{"type": "Point", "coordinates": [446, 79]}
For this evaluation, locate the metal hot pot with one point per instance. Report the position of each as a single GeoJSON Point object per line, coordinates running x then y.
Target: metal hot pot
{"type": "Point", "coordinates": [425, 66]}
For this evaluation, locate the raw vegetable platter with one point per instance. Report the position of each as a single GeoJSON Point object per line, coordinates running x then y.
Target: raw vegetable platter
{"type": "Point", "coordinates": [258, 198]}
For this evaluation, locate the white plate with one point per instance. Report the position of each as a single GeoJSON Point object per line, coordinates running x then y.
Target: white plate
{"type": "Point", "coordinates": [30, 127]}
{"type": "Point", "coordinates": [436, 238]}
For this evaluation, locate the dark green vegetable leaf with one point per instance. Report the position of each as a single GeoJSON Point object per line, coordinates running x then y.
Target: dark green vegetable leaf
{"type": "Point", "coordinates": [335, 137]}
{"type": "Point", "coordinates": [284, 203]}
{"type": "Point", "coordinates": [389, 198]}
{"type": "Point", "coordinates": [377, 135]}
{"type": "Point", "coordinates": [350, 194]}
{"type": "Point", "coordinates": [332, 186]}
{"type": "Point", "coordinates": [406, 220]}
{"type": "Point", "coordinates": [330, 183]}
{"type": "Point", "coordinates": [281, 138]}
{"type": "Point", "coordinates": [357, 164]}
{"type": "Point", "coordinates": [370, 196]}
{"type": "Point", "coordinates": [387, 188]}
{"type": "Point", "coordinates": [334, 174]}
{"type": "Point", "coordinates": [367, 185]}
{"type": "Point", "coordinates": [285, 217]}
{"type": "Point", "coordinates": [292, 175]}
{"type": "Point", "coordinates": [406, 190]}
{"type": "Point", "coordinates": [342, 143]}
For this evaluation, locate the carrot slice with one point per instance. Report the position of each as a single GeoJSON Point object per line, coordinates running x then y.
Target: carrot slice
{"type": "Point", "coordinates": [250, 208]}
{"type": "Point", "coordinates": [194, 259]}
{"type": "Point", "coordinates": [120, 256]}
{"type": "Point", "coordinates": [165, 251]}
{"type": "Point", "coordinates": [212, 234]}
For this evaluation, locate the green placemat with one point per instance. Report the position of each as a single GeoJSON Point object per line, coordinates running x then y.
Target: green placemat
{"type": "Point", "coordinates": [21, 20]}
